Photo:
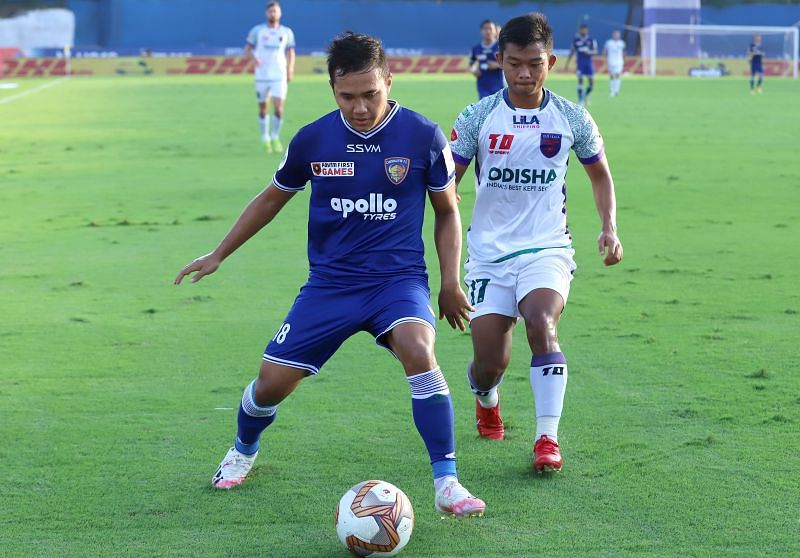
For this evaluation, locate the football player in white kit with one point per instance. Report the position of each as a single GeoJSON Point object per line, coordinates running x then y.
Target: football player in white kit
{"type": "Point", "coordinates": [271, 46]}
{"type": "Point", "coordinates": [614, 49]}
{"type": "Point", "coordinates": [520, 248]}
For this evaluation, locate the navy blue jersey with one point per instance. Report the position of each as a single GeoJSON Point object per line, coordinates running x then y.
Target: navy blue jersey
{"type": "Point", "coordinates": [368, 191]}
{"type": "Point", "coordinates": [756, 54]}
{"type": "Point", "coordinates": [490, 81]}
{"type": "Point", "coordinates": [584, 46]}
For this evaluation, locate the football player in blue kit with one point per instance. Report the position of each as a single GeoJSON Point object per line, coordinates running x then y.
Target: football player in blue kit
{"type": "Point", "coordinates": [371, 165]}
{"type": "Point", "coordinates": [755, 53]}
{"type": "Point", "coordinates": [586, 48]}
{"type": "Point", "coordinates": [483, 61]}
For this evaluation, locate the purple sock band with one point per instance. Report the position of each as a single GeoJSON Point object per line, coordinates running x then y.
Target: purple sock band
{"type": "Point", "coordinates": [548, 358]}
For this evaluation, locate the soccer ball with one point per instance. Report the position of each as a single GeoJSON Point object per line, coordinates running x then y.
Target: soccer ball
{"type": "Point", "coordinates": [374, 518]}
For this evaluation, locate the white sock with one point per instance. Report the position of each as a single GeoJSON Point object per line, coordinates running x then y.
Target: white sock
{"type": "Point", "coordinates": [487, 399]}
{"type": "Point", "coordinates": [275, 129]}
{"type": "Point", "coordinates": [549, 383]}
{"type": "Point", "coordinates": [617, 85]}
{"type": "Point", "coordinates": [263, 126]}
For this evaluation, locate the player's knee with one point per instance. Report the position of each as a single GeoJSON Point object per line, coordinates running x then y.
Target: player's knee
{"type": "Point", "coordinates": [487, 372]}
{"type": "Point", "coordinates": [541, 329]}
{"type": "Point", "coordinates": [415, 352]}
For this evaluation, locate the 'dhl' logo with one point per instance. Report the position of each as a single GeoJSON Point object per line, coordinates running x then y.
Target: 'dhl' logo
{"type": "Point", "coordinates": [550, 144]}
{"type": "Point", "coordinates": [396, 168]}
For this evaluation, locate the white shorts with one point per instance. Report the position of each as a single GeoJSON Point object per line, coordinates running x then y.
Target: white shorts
{"type": "Point", "coordinates": [274, 89]}
{"type": "Point", "coordinates": [615, 69]}
{"type": "Point", "coordinates": [498, 288]}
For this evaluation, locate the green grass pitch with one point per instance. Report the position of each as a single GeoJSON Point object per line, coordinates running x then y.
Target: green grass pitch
{"type": "Point", "coordinates": [117, 389]}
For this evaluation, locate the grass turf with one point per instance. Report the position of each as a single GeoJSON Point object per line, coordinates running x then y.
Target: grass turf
{"type": "Point", "coordinates": [118, 389]}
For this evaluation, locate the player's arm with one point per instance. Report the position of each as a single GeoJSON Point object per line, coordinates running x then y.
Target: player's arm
{"type": "Point", "coordinates": [460, 170]}
{"type": "Point", "coordinates": [290, 57]}
{"type": "Point", "coordinates": [258, 213]}
{"type": "Point", "coordinates": [605, 200]}
{"type": "Point", "coordinates": [453, 304]}
{"type": "Point", "coordinates": [569, 57]}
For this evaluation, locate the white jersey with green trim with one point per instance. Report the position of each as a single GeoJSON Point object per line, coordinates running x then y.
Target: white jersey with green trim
{"type": "Point", "coordinates": [520, 171]}
{"type": "Point", "coordinates": [269, 48]}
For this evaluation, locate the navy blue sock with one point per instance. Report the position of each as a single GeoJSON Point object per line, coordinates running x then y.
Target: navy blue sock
{"type": "Point", "coordinates": [588, 90]}
{"type": "Point", "coordinates": [760, 79]}
{"type": "Point", "coordinates": [252, 420]}
{"type": "Point", "coordinates": [433, 416]}
{"type": "Point", "coordinates": [580, 93]}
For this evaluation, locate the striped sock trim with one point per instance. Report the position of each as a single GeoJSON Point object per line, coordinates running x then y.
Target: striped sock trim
{"type": "Point", "coordinates": [428, 384]}
{"type": "Point", "coordinates": [251, 407]}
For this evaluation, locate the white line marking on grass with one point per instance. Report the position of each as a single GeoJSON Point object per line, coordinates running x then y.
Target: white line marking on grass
{"type": "Point", "coordinates": [41, 87]}
{"type": "Point", "coordinates": [223, 408]}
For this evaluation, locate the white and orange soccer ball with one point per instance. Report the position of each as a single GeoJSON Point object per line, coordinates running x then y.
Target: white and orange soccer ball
{"type": "Point", "coordinates": [374, 518]}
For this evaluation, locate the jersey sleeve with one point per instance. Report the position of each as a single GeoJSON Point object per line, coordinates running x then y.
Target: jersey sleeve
{"type": "Point", "coordinates": [293, 172]}
{"type": "Point", "coordinates": [588, 144]}
{"type": "Point", "coordinates": [442, 169]}
{"type": "Point", "coordinates": [289, 38]}
{"type": "Point", "coordinates": [464, 137]}
{"type": "Point", "coordinates": [252, 36]}
{"type": "Point", "coordinates": [472, 58]}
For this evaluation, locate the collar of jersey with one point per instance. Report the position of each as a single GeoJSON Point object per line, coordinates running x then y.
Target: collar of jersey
{"type": "Point", "coordinates": [368, 134]}
{"type": "Point", "coordinates": [510, 105]}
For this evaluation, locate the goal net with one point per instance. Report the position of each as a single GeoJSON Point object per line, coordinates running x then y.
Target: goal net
{"type": "Point", "coordinates": [716, 50]}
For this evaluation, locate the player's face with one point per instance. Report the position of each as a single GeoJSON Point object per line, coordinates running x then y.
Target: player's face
{"type": "Point", "coordinates": [583, 31]}
{"type": "Point", "coordinates": [487, 32]}
{"type": "Point", "coordinates": [526, 68]}
{"type": "Point", "coordinates": [363, 97]}
{"type": "Point", "coordinates": [615, 35]}
{"type": "Point", "coordinates": [757, 39]}
{"type": "Point", "coordinates": [273, 14]}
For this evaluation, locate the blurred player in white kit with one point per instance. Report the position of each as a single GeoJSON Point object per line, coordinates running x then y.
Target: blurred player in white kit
{"type": "Point", "coordinates": [271, 46]}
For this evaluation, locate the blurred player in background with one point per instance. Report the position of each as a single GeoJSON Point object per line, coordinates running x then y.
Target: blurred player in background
{"type": "Point", "coordinates": [483, 63]}
{"type": "Point", "coordinates": [520, 247]}
{"type": "Point", "coordinates": [756, 56]}
{"type": "Point", "coordinates": [614, 49]}
{"type": "Point", "coordinates": [585, 47]}
{"type": "Point", "coordinates": [271, 46]}
{"type": "Point", "coordinates": [366, 256]}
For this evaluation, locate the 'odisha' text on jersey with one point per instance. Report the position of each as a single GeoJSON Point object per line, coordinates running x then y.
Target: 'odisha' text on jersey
{"type": "Point", "coordinates": [521, 166]}
{"type": "Point", "coordinates": [269, 48]}
{"type": "Point", "coordinates": [368, 191]}
{"type": "Point", "coordinates": [490, 81]}
{"type": "Point", "coordinates": [584, 46]}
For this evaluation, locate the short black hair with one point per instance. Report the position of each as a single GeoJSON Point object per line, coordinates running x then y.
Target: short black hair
{"type": "Point", "coordinates": [525, 30]}
{"type": "Point", "coordinates": [485, 21]}
{"type": "Point", "coordinates": [270, 4]}
{"type": "Point", "coordinates": [583, 26]}
{"type": "Point", "coordinates": [353, 52]}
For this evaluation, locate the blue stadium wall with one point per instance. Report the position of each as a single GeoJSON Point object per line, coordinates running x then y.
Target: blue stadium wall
{"type": "Point", "coordinates": [433, 27]}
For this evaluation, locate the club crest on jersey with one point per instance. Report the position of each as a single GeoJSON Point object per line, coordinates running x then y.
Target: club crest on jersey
{"type": "Point", "coordinates": [550, 144]}
{"type": "Point", "coordinates": [344, 168]}
{"type": "Point", "coordinates": [396, 168]}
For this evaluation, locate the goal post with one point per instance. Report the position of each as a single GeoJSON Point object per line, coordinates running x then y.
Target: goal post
{"type": "Point", "coordinates": [673, 49]}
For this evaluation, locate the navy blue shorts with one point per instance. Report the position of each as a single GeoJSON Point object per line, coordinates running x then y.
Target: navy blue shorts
{"type": "Point", "coordinates": [756, 68]}
{"type": "Point", "coordinates": [325, 315]}
{"type": "Point", "coordinates": [585, 69]}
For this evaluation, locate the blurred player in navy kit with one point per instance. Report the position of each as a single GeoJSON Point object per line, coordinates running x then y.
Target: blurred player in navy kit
{"type": "Point", "coordinates": [483, 62]}
{"type": "Point", "coordinates": [585, 47]}
{"type": "Point", "coordinates": [756, 56]}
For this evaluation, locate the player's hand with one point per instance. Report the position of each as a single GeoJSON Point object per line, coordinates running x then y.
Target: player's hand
{"type": "Point", "coordinates": [454, 306]}
{"type": "Point", "coordinates": [610, 247]}
{"type": "Point", "coordinates": [204, 265]}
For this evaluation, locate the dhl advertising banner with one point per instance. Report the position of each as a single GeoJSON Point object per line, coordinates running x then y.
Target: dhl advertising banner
{"type": "Point", "coordinates": [237, 65]}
